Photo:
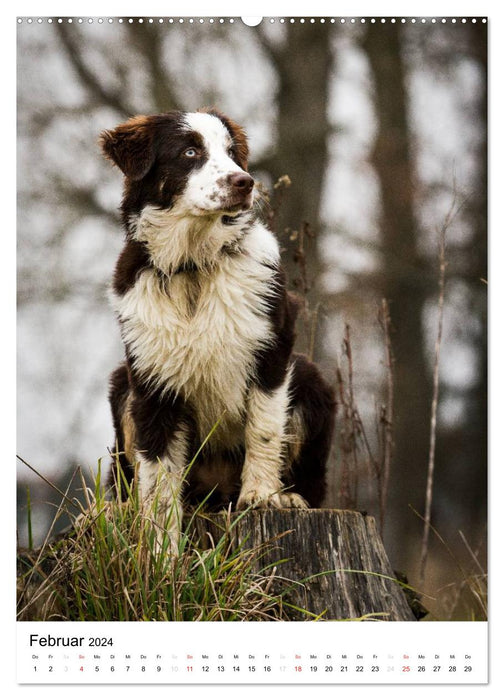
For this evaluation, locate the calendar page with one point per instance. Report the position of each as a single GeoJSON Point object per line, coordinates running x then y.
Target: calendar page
{"type": "Point", "coordinates": [252, 349]}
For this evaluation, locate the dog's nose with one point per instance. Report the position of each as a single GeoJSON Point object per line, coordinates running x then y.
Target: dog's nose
{"type": "Point", "coordinates": [242, 182]}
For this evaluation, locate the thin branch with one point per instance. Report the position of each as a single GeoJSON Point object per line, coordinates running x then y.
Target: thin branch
{"type": "Point", "coordinates": [88, 78]}
{"type": "Point", "coordinates": [273, 52]}
{"type": "Point", "coordinates": [350, 430]}
{"type": "Point", "coordinates": [47, 481]}
{"type": "Point", "coordinates": [388, 414]}
{"type": "Point", "coordinates": [435, 398]}
{"type": "Point", "coordinates": [150, 42]}
{"type": "Point", "coordinates": [84, 199]}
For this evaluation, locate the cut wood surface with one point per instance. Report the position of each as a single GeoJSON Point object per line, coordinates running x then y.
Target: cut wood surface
{"type": "Point", "coordinates": [359, 583]}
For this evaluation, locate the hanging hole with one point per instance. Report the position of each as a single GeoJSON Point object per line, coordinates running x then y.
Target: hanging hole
{"type": "Point", "coordinates": [251, 21]}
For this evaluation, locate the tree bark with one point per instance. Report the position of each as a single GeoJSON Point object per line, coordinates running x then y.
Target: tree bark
{"type": "Point", "coordinates": [336, 557]}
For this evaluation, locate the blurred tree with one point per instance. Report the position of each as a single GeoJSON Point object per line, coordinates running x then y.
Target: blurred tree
{"type": "Point", "coordinates": [401, 275]}
{"type": "Point", "coordinates": [303, 62]}
{"type": "Point", "coordinates": [463, 447]}
{"type": "Point", "coordinates": [478, 256]}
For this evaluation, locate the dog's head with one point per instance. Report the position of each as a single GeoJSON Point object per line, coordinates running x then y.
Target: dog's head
{"type": "Point", "coordinates": [196, 160]}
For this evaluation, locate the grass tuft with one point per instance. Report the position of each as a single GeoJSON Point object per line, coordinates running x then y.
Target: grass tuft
{"type": "Point", "coordinates": [113, 566]}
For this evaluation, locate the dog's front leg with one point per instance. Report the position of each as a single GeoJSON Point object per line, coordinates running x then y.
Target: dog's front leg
{"type": "Point", "coordinates": [265, 436]}
{"type": "Point", "coordinates": [160, 484]}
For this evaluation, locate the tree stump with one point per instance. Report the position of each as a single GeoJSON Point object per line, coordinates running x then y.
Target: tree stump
{"type": "Point", "coordinates": [358, 582]}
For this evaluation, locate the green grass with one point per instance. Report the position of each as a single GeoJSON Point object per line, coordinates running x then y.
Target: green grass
{"type": "Point", "coordinates": [113, 565]}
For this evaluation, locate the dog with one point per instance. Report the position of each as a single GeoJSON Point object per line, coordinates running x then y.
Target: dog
{"type": "Point", "coordinates": [208, 329]}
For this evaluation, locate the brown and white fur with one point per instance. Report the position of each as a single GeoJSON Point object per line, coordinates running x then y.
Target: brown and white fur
{"type": "Point", "coordinates": [208, 329]}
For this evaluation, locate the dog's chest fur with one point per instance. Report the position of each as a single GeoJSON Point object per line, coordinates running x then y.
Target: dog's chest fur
{"type": "Point", "coordinates": [197, 334]}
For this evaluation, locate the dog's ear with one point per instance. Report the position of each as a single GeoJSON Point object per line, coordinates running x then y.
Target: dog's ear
{"type": "Point", "coordinates": [131, 146]}
{"type": "Point", "coordinates": [240, 143]}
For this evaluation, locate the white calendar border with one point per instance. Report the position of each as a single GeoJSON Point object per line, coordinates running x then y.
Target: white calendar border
{"type": "Point", "coordinates": [271, 8]}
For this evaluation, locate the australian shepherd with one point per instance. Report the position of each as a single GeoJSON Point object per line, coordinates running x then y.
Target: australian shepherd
{"type": "Point", "coordinates": [208, 330]}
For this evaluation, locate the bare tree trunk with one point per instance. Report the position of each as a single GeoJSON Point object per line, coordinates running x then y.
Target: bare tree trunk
{"type": "Point", "coordinates": [402, 277]}
{"type": "Point", "coordinates": [303, 64]}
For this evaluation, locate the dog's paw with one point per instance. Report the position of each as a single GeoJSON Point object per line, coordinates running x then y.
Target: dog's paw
{"type": "Point", "coordinates": [257, 499]}
{"type": "Point", "coordinates": [254, 498]}
{"type": "Point", "coordinates": [292, 500]}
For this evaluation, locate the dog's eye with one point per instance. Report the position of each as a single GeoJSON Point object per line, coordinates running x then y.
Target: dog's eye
{"type": "Point", "coordinates": [190, 153]}
{"type": "Point", "coordinates": [231, 152]}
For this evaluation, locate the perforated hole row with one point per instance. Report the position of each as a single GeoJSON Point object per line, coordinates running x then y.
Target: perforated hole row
{"type": "Point", "coordinates": [232, 20]}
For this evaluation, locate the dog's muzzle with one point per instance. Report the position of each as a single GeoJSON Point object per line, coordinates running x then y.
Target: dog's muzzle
{"type": "Point", "coordinates": [240, 190]}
